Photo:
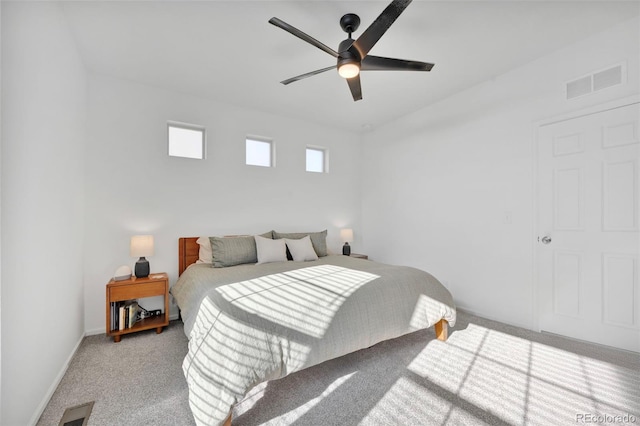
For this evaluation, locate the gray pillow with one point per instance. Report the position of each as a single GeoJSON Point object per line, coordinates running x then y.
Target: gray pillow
{"type": "Point", "coordinates": [318, 240]}
{"type": "Point", "coordinates": [230, 251]}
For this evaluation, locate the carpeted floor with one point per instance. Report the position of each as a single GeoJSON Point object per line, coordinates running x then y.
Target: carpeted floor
{"type": "Point", "coordinates": [486, 373]}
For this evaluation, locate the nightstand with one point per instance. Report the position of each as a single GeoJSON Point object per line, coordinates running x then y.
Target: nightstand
{"type": "Point", "coordinates": [359, 256]}
{"type": "Point", "coordinates": [137, 288]}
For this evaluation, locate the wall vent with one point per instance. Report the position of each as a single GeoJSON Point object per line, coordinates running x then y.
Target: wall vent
{"type": "Point", "coordinates": [579, 87]}
{"type": "Point", "coordinates": [599, 80]}
{"type": "Point", "coordinates": [607, 78]}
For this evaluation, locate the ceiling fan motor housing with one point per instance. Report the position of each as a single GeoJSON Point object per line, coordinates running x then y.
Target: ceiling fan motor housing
{"type": "Point", "coordinates": [346, 55]}
{"type": "Point", "coordinates": [350, 55]}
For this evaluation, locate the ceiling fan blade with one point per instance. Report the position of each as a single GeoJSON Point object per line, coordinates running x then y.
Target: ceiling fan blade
{"type": "Point", "coordinates": [372, 34]}
{"type": "Point", "coordinates": [379, 63]}
{"type": "Point", "coordinates": [309, 74]}
{"type": "Point", "coordinates": [296, 32]}
{"type": "Point", "coordinates": [354, 86]}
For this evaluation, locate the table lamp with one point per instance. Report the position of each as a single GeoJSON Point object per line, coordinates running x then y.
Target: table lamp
{"type": "Point", "coordinates": [142, 246]}
{"type": "Point", "coordinates": [347, 236]}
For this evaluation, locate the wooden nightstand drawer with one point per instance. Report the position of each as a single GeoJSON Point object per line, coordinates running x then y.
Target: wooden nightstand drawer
{"type": "Point", "coordinates": [136, 291]}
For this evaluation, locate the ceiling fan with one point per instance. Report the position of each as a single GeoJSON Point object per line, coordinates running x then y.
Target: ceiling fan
{"type": "Point", "coordinates": [352, 55]}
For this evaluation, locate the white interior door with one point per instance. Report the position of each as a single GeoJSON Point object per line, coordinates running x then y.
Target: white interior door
{"type": "Point", "coordinates": [588, 227]}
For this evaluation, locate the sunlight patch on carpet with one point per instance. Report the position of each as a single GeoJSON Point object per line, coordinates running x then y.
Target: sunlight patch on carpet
{"type": "Point", "coordinates": [512, 380]}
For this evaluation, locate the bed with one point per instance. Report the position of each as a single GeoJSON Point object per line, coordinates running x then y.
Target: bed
{"type": "Point", "coordinates": [251, 323]}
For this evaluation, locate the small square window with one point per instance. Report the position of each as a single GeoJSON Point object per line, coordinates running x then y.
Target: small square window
{"type": "Point", "coordinates": [316, 160]}
{"type": "Point", "coordinates": [186, 140]}
{"type": "Point", "coordinates": [259, 152]}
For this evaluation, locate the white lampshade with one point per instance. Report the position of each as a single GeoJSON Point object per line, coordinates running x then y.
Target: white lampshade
{"type": "Point", "coordinates": [346, 235]}
{"type": "Point", "coordinates": [141, 245]}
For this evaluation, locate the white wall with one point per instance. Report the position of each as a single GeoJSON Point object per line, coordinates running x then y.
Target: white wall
{"type": "Point", "coordinates": [133, 186]}
{"type": "Point", "coordinates": [43, 116]}
{"type": "Point", "coordinates": [441, 182]}
{"type": "Point", "coordinates": [0, 214]}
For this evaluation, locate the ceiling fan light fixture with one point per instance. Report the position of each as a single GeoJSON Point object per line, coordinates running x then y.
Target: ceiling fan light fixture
{"type": "Point", "coordinates": [349, 70]}
{"type": "Point", "coordinates": [348, 60]}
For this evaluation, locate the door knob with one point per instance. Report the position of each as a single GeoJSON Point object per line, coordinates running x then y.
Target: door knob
{"type": "Point", "coordinates": [546, 239]}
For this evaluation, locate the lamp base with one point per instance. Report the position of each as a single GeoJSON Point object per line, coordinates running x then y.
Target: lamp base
{"type": "Point", "coordinates": [346, 249]}
{"type": "Point", "coordinates": [142, 268]}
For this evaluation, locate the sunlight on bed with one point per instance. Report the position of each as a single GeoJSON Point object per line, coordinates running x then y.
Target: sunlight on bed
{"type": "Point", "coordinates": [261, 329]}
{"type": "Point", "coordinates": [305, 300]}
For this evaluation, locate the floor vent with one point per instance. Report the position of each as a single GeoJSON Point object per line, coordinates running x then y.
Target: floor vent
{"type": "Point", "coordinates": [603, 79]}
{"type": "Point", "coordinates": [77, 416]}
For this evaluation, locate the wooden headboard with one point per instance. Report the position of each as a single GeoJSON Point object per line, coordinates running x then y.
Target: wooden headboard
{"type": "Point", "coordinates": [188, 252]}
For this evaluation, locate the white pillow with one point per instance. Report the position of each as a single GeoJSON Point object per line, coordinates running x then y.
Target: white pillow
{"type": "Point", "coordinates": [205, 255]}
{"type": "Point", "coordinates": [301, 250]}
{"type": "Point", "coordinates": [270, 250]}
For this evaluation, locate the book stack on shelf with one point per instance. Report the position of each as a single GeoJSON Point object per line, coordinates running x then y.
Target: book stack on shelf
{"type": "Point", "coordinates": [124, 314]}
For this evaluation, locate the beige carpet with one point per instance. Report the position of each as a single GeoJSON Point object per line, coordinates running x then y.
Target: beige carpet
{"type": "Point", "coordinates": [486, 373]}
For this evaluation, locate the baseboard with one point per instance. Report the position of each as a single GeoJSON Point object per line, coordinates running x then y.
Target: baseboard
{"type": "Point", "coordinates": [54, 385]}
{"type": "Point", "coordinates": [494, 318]}
{"type": "Point", "coordinates": [587, 342]}
{"type": "Point", "coordinates": [94, 332]}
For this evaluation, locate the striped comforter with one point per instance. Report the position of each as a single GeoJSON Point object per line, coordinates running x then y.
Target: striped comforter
{"type": "Point", "coordinates": [251, 323]}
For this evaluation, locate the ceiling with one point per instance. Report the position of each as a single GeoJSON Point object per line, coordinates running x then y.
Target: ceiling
{"type": "Point", "coordinates": [227, 51]}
